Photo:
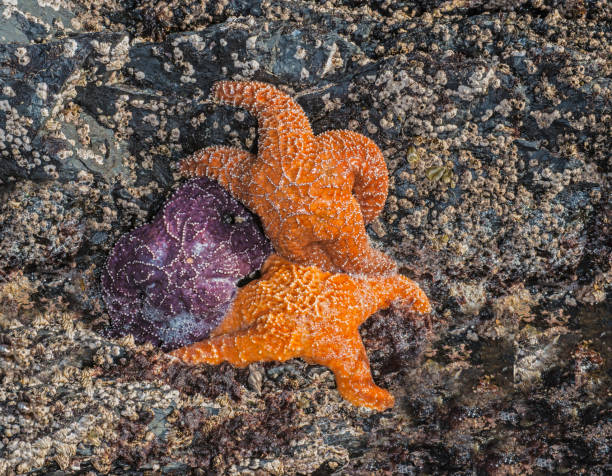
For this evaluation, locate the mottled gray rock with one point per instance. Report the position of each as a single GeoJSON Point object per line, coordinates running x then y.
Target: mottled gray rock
{"type": "Point", "coordinates": [30, 21]}
{"type": "Point", "coordinates": [35, 82]}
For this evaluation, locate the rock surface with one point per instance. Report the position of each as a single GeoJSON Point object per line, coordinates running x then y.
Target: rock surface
{"type": "Point", "coordinates": [494, 119]}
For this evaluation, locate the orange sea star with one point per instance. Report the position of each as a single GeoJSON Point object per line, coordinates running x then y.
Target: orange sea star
{"type": "Point", "coordinates": [301, 311]}
{"type": "Point", "coordinates": [314, 194]}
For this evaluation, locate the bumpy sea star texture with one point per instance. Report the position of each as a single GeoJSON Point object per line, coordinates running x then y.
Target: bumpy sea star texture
{"type": "Point", "coordinates": [314, 194]}
{"type": "Point", "coordinates": [171, 281]}
{"type": "Point", "coordinates": [301, 311]}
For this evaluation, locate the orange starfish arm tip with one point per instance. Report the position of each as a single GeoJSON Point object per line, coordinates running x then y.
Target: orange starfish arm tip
{"type": "Point", "coordinates": [415, 297]}
{"type": "Point", "coordinates": [367, 165]}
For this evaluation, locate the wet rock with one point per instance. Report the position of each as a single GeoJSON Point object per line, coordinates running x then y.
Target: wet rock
{"type": "Point", "coordinates": [35, 80]}
{"type": "Point", "coordinates": [494, 120]}
{"type": "Point", "coordinates": [33, 21]}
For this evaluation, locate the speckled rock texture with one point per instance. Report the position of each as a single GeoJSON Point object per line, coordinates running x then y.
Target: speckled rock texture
{"type": "Point", "coordinates": [494, 119]}
{"type": "Point", "coordinates": [171, 281]}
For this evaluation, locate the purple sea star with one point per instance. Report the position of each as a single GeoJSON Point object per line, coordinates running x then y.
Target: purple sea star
{"type": "Point", "coordinates": [170, 282]}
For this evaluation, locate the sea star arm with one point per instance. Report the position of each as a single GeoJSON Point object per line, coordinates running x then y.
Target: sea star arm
{"type": "Point", "coordinates": [412, 296]}
{"type": "Point", "coordinates": [275, 110]}
{"type": "Point", "coordinates": [295, 242]}
{"type": "Point", "coordinates": [348, 360]}
{"type": "Point", "coordinates": [367, 166]}
{"type": "Point", "coordinates": [232, 322]}
{"type": "Point", "coordinates": [379, 293]}
{"type": "Point", "coordinates": [230, 166]}
{"type": "Point", "coordinates": [286, 141]}
{"type": "Point", "coordinates": [351, 252]}
{"type": "Point", "coordinates": [268, 339]}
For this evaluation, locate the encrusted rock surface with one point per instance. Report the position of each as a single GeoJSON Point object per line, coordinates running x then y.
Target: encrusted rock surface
{"type": "Point", "coordinates": [494, 119]}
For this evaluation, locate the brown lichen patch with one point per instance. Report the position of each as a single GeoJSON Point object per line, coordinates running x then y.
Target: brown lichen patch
{"type": "Point", "coordinates": [394, 340]}
{"type": "Point", "coordinates": [259, 434]}
{"type": "Point", "coordinates": [587, 364]}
